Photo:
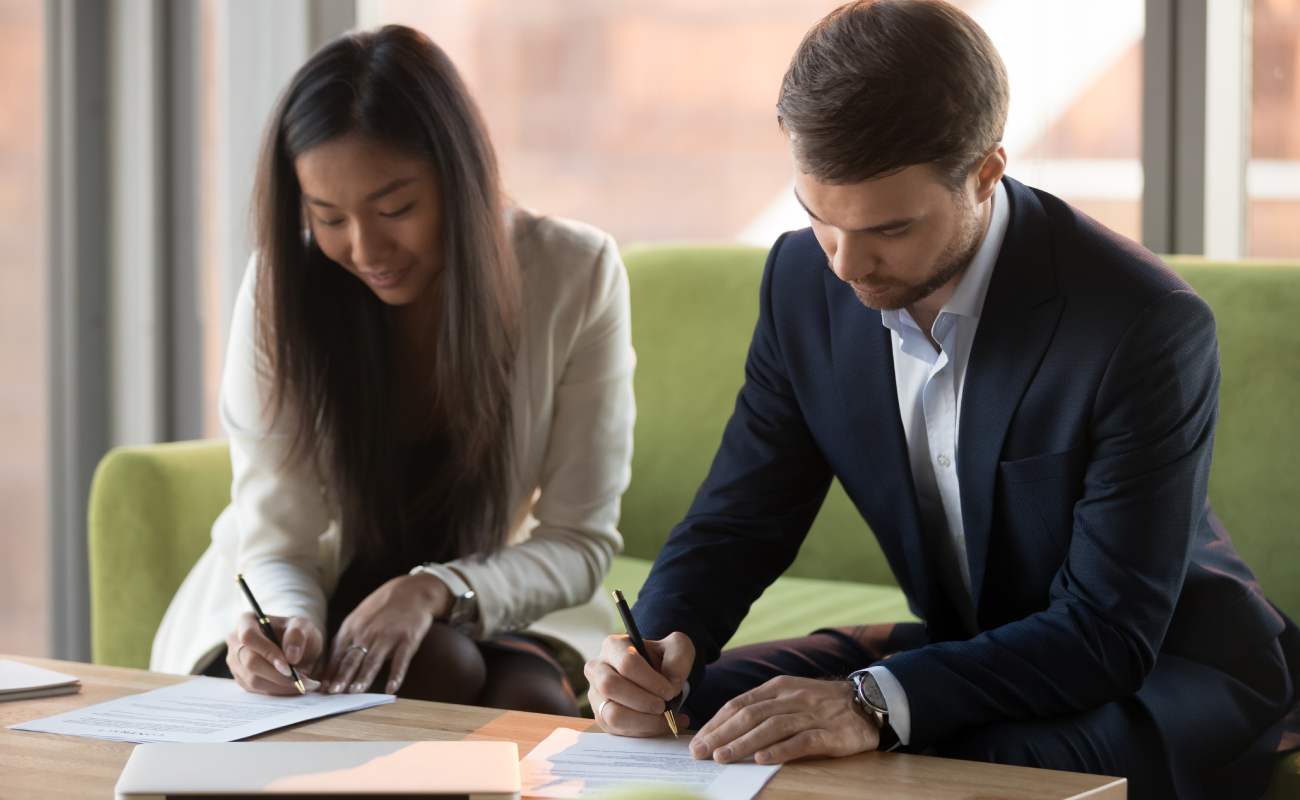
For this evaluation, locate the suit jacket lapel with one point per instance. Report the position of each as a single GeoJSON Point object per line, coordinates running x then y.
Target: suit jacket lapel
{"type": "Point", "coordinates": [1016, 325]}
{"type": "Point", "coordinates": [862, 355]}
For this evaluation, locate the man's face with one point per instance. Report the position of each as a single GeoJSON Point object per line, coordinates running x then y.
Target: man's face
{"type": "Point", "coordinates": [896, 239]}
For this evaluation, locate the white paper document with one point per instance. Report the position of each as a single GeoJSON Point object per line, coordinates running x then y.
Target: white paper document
{"type": "Point", "coordinates": [201, 710]}
{"type": "Point", "coordinates": [20, 681]}
{"type": "Point", "coordinates": [573, 764]}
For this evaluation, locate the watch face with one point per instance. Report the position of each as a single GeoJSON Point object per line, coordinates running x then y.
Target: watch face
{"type": "Point", "coordinates": [872, 694]}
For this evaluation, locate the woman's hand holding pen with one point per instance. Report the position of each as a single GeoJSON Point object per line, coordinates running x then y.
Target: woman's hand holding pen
{"type": "Point", "coordinates": [388, 625]}
{"type": "Point", "coordinates": [629, 695]}
{"type": "Point", "coordinates": [259, 666]}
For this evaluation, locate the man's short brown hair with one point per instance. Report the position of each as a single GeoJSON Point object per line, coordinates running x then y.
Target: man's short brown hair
{"type": "Point", "coordinates": [880, 85]}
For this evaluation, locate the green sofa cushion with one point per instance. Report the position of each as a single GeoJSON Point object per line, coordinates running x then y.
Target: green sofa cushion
{"type": "Point", "coordinates": [1286, 779]}
{"type": "Point", "coordinates": [790, 607]}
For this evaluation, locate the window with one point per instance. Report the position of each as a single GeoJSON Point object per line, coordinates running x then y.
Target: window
{"type": "Point", "coordinates": [1273, 173]}
{"type": "Point", "coordinates": [1075, 125]}
{"type": "Point", "coordinates": [22, 333]}
{"type": "Point", "coordinates": [651, 120]}
{"type": "Point", "coordinates": [656, 120]}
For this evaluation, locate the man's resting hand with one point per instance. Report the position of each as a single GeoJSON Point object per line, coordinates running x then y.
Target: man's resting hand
{"type": "Point", "coordinates": [788, 718]}
{"type": "Point", "coordinates": [627, 694]}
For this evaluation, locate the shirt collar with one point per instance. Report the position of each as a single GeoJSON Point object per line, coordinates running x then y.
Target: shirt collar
{"type": "Point", "coordinates": [968, 297]}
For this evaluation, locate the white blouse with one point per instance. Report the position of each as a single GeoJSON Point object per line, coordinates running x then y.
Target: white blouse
{"type": "Point", "coordinates": [573, 416]}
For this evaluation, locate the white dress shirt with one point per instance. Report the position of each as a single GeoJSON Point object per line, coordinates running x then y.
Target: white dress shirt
{"type": "Point", "coordinates": [929, 387]}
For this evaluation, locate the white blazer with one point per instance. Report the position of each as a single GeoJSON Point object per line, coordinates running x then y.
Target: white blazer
{"type": "Point", "coordinates": [573, 415]}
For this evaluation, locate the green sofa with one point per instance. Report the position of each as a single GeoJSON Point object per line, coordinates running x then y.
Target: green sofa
{"type": "Point", "coordinates": [693, 310]}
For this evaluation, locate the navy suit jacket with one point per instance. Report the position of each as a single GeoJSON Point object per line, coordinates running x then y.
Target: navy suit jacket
{"type": "Point", "coordinates": [1087, 425]}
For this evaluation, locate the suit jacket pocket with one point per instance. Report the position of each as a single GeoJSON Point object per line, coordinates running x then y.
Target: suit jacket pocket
{"type": "Point", "coordinates": [1046, 467]}
{"type": "Point", "coordinates": [1038, 494]}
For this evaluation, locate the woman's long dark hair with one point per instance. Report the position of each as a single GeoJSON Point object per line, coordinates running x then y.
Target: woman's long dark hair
{"type": "Point", "coordinates": [329, 342]}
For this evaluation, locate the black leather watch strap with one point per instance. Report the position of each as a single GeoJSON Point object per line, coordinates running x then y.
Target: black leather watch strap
{"type": "Point", "coordinates": [888, 739]}
{"type": "Point", "coordinates": [867, 696]}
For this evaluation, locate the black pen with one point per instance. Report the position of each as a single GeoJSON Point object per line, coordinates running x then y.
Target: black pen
{"type": "Point", "coordinates": [639, 644]}
{"type": "Point", "coordinates": [265, 622]}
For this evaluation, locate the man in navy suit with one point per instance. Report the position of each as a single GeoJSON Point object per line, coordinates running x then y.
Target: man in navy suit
{"type": "Point", "coordinates": [1022, 405]}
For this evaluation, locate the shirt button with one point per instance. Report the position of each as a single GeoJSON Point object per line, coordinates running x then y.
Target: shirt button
{"type": "Point", "coordinates": [944, 462]}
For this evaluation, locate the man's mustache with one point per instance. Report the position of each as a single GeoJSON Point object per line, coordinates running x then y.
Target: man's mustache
{"type": "Point", "coordinates": [859, 284]}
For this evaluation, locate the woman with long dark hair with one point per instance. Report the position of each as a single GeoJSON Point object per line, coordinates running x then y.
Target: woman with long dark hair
{"type": "Point", "coordinates": [428, 396]}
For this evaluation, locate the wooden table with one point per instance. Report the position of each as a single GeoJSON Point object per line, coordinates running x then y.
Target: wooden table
{"type": "Point", "coordinates": [48, 766]}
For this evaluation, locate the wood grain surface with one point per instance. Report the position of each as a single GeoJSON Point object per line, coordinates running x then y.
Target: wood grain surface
{"type": "Point", "coordinates": [52, 767]}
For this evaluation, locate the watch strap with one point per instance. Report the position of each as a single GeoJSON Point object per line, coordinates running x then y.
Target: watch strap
{"type": "Point", "coordinates": [889, 740]}
{"type": "Point", "coordinates": [463, 615]}
{"type": "Point", "coordinates": [877, 711]}
{"type": "Point", "coordinates": [455, 583]}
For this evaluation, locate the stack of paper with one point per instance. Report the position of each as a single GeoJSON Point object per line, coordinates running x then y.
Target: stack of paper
{"type": "Point", "coordinates": [569, 764]}
{"type": "Point", "coordinates": [23, 682]}
{"type": "Point", "coordinates": [201, 710]}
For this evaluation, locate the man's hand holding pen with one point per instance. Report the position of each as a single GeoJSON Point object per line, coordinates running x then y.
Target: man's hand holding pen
{"type": "Point", "coordinates": [782, 720]}
{"type": "Point", "coordinates": [630, 695]}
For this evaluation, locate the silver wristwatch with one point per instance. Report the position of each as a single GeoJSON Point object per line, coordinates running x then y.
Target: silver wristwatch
{"type": "Point", "coordinates": [868, 697]}
{"type": "Point", "coordinates": [463, 617]}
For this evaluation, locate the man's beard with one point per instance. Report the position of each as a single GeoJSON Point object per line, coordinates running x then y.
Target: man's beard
{"type": "Point", "coordinates": [954, 257]}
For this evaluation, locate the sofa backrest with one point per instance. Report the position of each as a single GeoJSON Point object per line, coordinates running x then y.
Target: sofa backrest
{"type": "Point", "coordinates": [694, 309]}
{"type": "Point", "coordinates": [693, 312]}
{"type": "Point", "coordinates": [1255, 480]}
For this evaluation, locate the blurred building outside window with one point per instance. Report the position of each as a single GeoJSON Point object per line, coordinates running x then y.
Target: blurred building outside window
{"type": "Point", "coordinates": [22, 331]}
{"type": "Point", "coordinates": [654, 119]}
{"type": "Point", "coordinates": [1273, 172]}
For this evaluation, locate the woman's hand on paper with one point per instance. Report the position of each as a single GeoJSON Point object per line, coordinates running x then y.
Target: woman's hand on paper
{"type": "Point", "coordinates": [389, 624]}
{"type": "Point", "coordinates": [787, 718]}
{"type": "Point", "coordinates": [629, 695]}
{"type": "Point", "coordinates": [259, 666]}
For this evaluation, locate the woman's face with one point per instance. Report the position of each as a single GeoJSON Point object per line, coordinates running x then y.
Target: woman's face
{"type": "Point", "coordinates": [377, 212]}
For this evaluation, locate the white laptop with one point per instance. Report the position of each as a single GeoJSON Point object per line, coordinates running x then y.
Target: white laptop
{"type": "Point", "coordinates": [317, 770]}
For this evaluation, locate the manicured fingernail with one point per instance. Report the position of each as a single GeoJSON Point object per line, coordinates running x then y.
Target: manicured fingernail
{"type": "Point", "coordinates": [722, 754]}
{"type": "Point", "coordinates": [336, 688]}
{"type": "Point", "coordinates": [358, 687]}
{"type": "Point", "coordinates": [310, 684]}
{"type": "Point", "coordinates": [282, 667]}
{"type": "Point", "coordinates": [293, 653]}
